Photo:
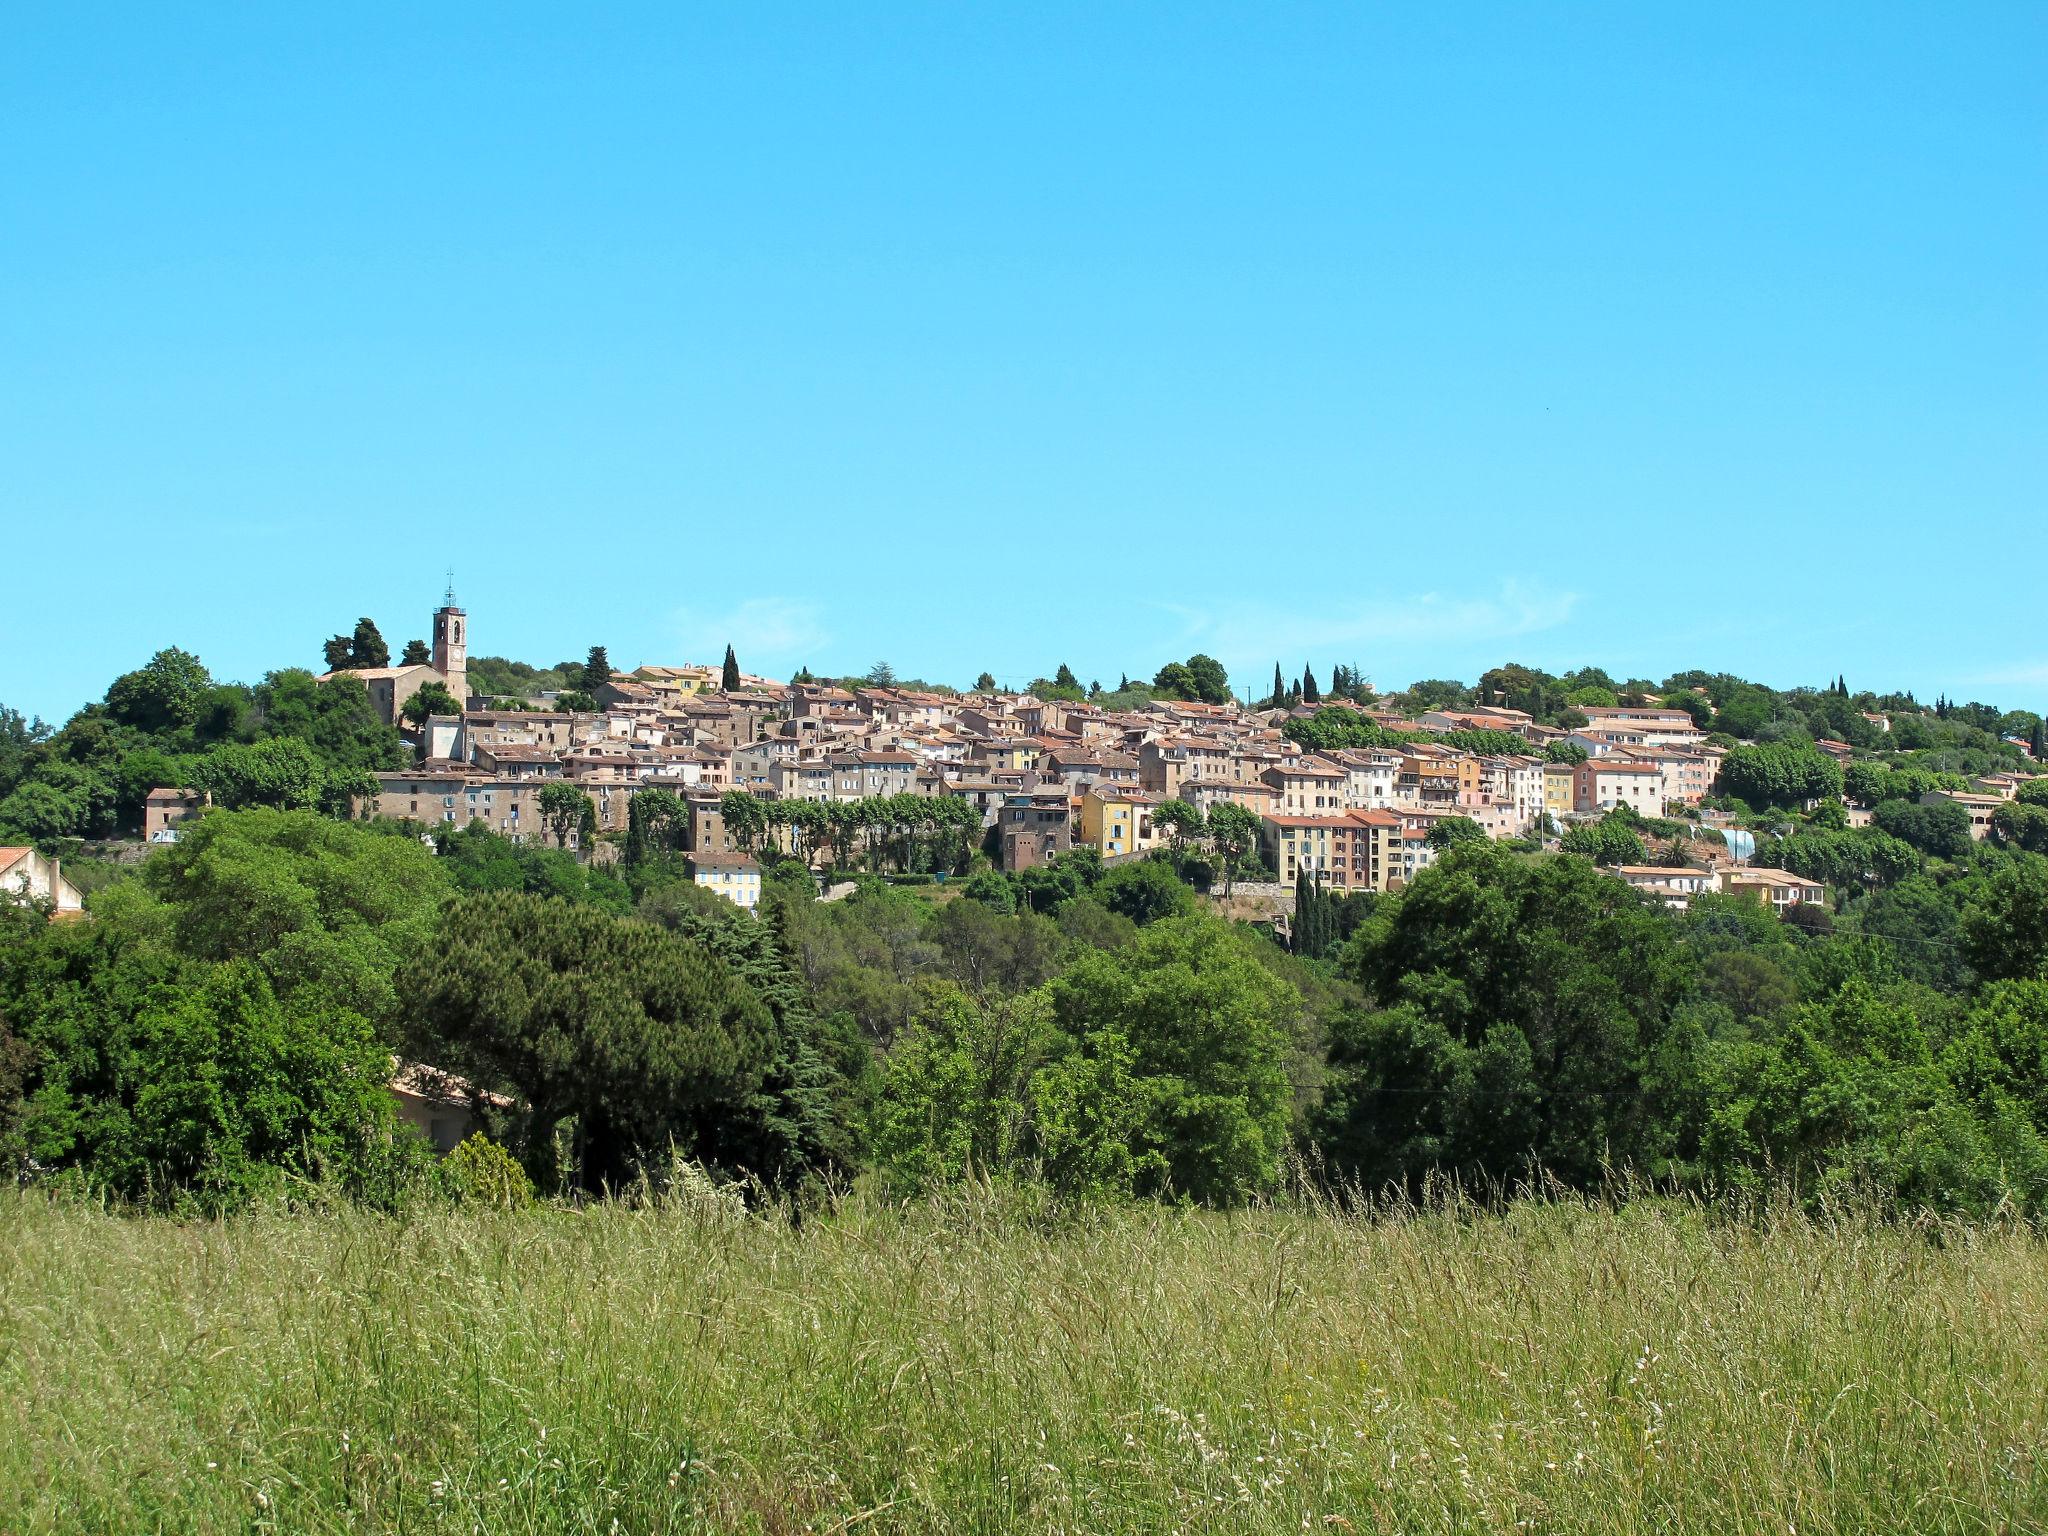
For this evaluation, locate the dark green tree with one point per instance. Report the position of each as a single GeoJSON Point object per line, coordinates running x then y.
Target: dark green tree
{"type": "Point", "coordinates": [367, 647]}
{"type": "Point", "coordinates": [416, 654]}
{"type": "Point", "coordinates": [729, 675]}
{"type": "Point", "coordinates": [1530, 1007]}
{"type": "Point", "coordinates": [2005, 923]}
{"type": "Point", "coordinates": [643, 1038]}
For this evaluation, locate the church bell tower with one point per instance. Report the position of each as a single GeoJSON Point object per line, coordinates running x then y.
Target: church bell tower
{"type": "Point", "coordinates": [451, 645]}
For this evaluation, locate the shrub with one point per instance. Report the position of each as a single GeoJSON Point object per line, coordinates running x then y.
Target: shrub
{"type": "Point", "coordinates": [480, 1172]}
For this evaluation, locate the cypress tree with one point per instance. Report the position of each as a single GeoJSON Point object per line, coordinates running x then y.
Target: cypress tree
{"type": "Point", "coordinates": [2040, 743]}
{"type": "Point", "coordinates": [368, 647]}
{"type": "Point", "coordinates": [729, 678]}
{"type": "Point", "coordinates": [1309, 695]}
{"type": "Point", "coordinates": [1279, 687]}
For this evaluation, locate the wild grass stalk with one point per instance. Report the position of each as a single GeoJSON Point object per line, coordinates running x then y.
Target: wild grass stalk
{"type": "Point", "coordinates": [975, 1364]}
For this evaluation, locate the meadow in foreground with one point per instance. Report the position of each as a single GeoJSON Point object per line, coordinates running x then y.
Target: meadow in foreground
{"type": "Point", "coordinates": [968, 1365]}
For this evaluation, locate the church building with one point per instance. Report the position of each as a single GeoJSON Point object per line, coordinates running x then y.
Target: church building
{"type": "Point", "coordinates": [391, 687]}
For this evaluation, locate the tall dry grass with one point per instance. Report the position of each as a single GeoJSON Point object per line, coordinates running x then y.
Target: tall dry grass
{"type": "Point", "coordinates": [969, 1366]}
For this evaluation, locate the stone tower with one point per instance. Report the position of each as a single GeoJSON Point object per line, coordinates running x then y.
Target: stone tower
{"type": "Point", "coordinates": [451, 646]}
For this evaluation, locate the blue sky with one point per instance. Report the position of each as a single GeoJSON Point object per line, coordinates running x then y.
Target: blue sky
{"type": "Point", "coordinates": [1419, 338]}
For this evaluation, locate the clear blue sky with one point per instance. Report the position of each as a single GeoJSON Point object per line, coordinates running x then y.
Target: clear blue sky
{"type": "Point", "coordinates": [1417, 337]}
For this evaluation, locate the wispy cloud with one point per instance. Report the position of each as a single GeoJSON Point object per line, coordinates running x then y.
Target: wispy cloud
{"type": "Point", "coordinates": [1319, 626]}
{"type": "Point", "coordinates": [763, 631]}
{"type": "Point", "coordinates": [2026, 675]}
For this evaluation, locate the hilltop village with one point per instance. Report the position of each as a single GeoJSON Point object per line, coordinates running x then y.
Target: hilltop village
{"type": "Point", "coordinates": [811, 768]}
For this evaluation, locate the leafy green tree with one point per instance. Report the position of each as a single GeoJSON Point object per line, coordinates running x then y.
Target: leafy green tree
{"type": "Point", "coordinates": [1533, 1002]}
{"type": "Point", "coordinates": [2000, 1049]}
{"type": "Point", "coordinates": [1234, 834]}
{"type": "Point", "coordinates": [2005, 924]}
{"type": "Point", "coordinates": [1861, 858]}
{"type": "Point", "coordinates": [985, 683]}
{"type": "Point", "coordinates": [326, 909]}
{"type": "Point", "coordinates": [334, 718]}
{"type": "Point", "coordinates": [1942, 829]}
{"type": "Point", "coordinates": [955, 1099]}
{"type": "Point", "coordinates": [657, 825]}
{"type": "Point", "coordinates": [1924, 928]}
{"type": "Point", "coordinates": [1145, 892]}
{"type": "Point", "coordinates": [1780, 773]}
{"type": "Point", "coordinates": [566, 811]}
{"type": "Point", "coordinates": [1447, 830]}
{"type": "Point", "coordinates": [1183, 823]}
{"type": "Point", "coordinates": [576, 701]}
{"type": "Point", "coordinates": [1174, 681]}
{"type": "Point", "coordinates": [993, 889]}
{"type": "Point", "coordinates": [1611, 840]}
{"type": "Point", "coordinates": [2021, 824]}
{"type": "Point", "coordinates": [1211, 682]}
{"type": "Point", "coordinates": [1206, 1028]}
{"type": "Point", "coordinates": [645, 1039]}
{"type": "Point", "coordinates": [416, 654]}
{"type": "Point", "coordinates": [1565, 752]}
{"type": "Point", "coordinates": [282, 773]}
{"type": "Point", "coordinates": [431, 699]}
{"type": "Point", "coordinates": [1847, 1096]}
{"type": "Point", "coordinates": [167, 694]}
{"type": "Point", "coordinates": [237, 1090]}
{"type": "Point", "coordinates": [745, 818]}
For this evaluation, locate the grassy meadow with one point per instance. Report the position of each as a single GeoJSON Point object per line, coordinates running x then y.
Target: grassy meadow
{"type": "Point", "coordinates": [968, 1365]}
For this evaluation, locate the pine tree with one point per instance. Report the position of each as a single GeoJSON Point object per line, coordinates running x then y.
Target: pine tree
{"type": "Point", "coordinates": [729, 678]}
{"type": "Point", "coordinates": [1064, 678]}
{"type": "Point", "coordinates": [597, 670]}
{"type": "Point", "coordinates": [416, 654]}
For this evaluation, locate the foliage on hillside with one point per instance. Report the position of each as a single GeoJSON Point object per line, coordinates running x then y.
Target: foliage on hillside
{"type": "Point", "coordinates": [220, 1029]}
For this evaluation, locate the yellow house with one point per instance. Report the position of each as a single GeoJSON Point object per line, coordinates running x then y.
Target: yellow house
{"type": "Point", "coordinates": [1560, 786]}
{"type": "Point", "coordinates": [1015, 754]}
{"type": "Point", "coordinates": [1118, 820]}
{"type": "Point", "coordinates": [681, 682]}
